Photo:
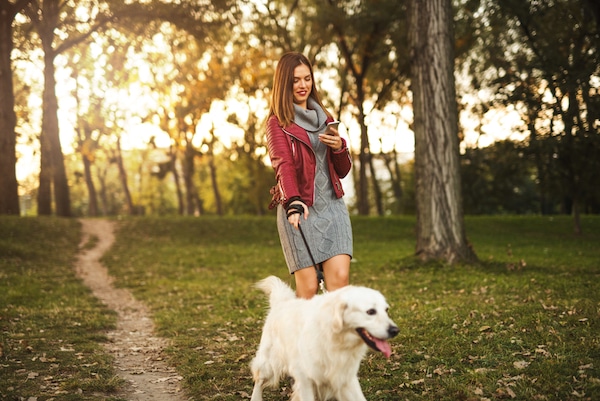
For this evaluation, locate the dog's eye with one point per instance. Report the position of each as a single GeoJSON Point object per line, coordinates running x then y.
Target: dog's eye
{"type": "Point", "coordinates": [372, 312]}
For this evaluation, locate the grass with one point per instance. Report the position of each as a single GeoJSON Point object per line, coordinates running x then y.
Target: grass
{"type": "Point", "coordinates": [51, 328]}
{"type": "Point", "coordinates": [523, 324]}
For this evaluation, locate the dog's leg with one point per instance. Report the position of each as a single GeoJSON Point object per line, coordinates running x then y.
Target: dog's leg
{"type": "Point", "coordinates": [257, 391]}
{"type": "Point", "coordinates": [303, 390]}
{"type": "Point", "coordinates": [351, 392]}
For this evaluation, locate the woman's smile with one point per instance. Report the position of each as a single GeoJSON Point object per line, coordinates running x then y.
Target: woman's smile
{"type": "Point", "coordinates": [302, 85]}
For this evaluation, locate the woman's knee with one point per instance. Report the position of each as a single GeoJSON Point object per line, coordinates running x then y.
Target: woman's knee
{"type": "Point", "coordinates": [306, 283]}
{"type": "Point", "coordinates": [337, 271]}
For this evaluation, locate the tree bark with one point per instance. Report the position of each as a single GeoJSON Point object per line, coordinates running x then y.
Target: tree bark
{"type": "Point", "coordinates": [52, 167]}
{"type": "Point", "coordinates": [9, 189]}
{"type": "Point", "coordinates": [50, 132]}
{"type": "Point", "coordinates": [440, 222]}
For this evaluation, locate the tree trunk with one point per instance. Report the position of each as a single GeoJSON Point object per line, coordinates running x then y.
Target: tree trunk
{"type": "Point", "coordinates": [376, 189]}
{"type": "Point", "coordinates": [362, 191]}
{"type": "Point", "coordinates": [440, 222]}
{"type": "Point", "coordinates": [215, 185]}
{"type": "Point", "coordinates": [192, 204]}
{"type": "Point", "coordinates": [391, 163]}
{"type": "Point", "coordinates": [44, 194]}
{"type": "Point", "coordinates": [101, 173]}
{"type": "Point", "coordinates": [51, 131]}
{"type": "Point", "coordinates": [123, 178]}
{"type": "Point", "coordinates": [9, 195]}
{"type": "Point", "coordinates": [50, 138]}
{"type": "Point", "coordinates": [173, 161]}
{"type": "Point", "coordinates": [89, 182]}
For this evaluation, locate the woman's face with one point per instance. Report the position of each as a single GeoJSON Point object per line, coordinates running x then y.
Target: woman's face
{"type": "Point", "coordinates": [302, 85]}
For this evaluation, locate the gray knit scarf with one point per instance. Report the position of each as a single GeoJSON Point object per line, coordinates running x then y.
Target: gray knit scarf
{"type": "Point", "coordinates": [311, 119]}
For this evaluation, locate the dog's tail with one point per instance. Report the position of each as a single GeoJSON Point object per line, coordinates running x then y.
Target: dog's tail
{"type": "Point", "coordinates": [276, 289]}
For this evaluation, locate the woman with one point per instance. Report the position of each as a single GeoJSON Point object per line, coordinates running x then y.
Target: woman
{"type": "Point", "coordinates": [309, 158]}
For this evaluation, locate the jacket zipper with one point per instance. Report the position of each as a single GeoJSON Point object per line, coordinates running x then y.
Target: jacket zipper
{"type": "Point", "coordinates": [314, 154]}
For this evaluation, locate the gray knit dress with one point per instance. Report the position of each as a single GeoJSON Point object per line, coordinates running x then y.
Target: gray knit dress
{"type": "Point", "coordinates": [327, 230]}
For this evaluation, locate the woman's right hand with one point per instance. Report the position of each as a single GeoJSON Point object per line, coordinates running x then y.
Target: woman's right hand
{"type": "Point", "coordinates": [294, 218]}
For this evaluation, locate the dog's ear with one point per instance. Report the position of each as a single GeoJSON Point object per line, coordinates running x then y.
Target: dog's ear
{"type": "Point", "coordinates": [338, 315]}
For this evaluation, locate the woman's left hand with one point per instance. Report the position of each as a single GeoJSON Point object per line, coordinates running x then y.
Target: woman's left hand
{"type": "Point", "coordinates": [331, 138]}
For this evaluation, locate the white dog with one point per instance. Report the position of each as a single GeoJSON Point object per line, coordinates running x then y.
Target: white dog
{"type": "Point", "coordinates": [320, 342]}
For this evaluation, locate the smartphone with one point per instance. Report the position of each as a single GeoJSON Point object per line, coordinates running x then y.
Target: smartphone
{"type": "Point", "coordinates": [333, 124]}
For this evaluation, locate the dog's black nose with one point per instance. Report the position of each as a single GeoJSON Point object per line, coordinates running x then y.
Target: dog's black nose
{"type": "Point", "coordinates": [393, 331]}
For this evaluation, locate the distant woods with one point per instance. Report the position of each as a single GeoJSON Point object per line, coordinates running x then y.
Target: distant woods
{"type": "Point", "coordinates": [190, 82]}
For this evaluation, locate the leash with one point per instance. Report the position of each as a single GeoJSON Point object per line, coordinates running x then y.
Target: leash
{"type": "Point", "coordinates": [299, 209]}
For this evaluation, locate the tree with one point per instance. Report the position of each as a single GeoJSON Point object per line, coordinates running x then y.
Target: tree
{"type": "Point", "coordinates": [497, 179]}
{"type": "Point", "coordinates": [543, 59]}
{"type": "Point", "coordinates": [370, 37]}
{"type": "Point", "coordinates": [9, 194]}
{"type": "Point", "coordinates": [567, 58]}
{"type": "Point", "coordinates": [47, 16]}
{"type": "Point", "coordinates": [440, 223]}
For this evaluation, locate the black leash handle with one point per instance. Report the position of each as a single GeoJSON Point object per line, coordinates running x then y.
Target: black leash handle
{"type": "Point", "coordinates": [299, 209]}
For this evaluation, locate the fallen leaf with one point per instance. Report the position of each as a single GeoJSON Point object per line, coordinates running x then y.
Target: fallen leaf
{"type": "Point", "coordinates": [521, 364]}
{"type": "Point", "coordinates": [32, 375]}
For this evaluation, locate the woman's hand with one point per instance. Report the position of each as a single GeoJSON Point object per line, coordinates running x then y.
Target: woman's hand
{"type": "Point", "coordinates": [294, 218]}
{"type": "Point", "coordinates": [331, 137]}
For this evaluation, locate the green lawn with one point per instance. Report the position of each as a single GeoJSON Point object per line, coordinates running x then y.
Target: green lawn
{"type": "Point", "coordinates": [523, 324]}
{"type": "Point", "coordinates": [51, 328]}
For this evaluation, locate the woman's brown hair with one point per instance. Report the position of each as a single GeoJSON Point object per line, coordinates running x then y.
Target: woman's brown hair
{"type": "Point", "coordinates": [282, 98]}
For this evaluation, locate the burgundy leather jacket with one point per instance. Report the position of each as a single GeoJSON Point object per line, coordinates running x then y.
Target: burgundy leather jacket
{"type": "Point", "coordinates": [294, 162]}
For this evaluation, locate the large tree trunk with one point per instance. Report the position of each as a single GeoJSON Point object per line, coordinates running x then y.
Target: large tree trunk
{"type": "Point", "coordinates": [440, 223]}
{"type": "Point", "coordinates": [50, 132]}
{"type": "Point", "coordinates": [50, 138]}
{"type": "Point", "coordinates": [9, 194]}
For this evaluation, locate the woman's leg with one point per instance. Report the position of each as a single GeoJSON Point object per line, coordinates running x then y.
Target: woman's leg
{"type": "Point", "coordinates": [337, 272]}
{"type": "Point", "coordinates": [306, 282]}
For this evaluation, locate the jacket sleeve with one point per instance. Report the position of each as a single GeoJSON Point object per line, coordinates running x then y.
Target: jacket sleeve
{"type": "Point", "coordinates": [341, 160]}
{"type": "Point", "coordinates": [282, 161]}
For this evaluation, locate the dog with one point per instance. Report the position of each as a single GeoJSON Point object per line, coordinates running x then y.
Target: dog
{"type": "Point", "coordinates": [319, 342]}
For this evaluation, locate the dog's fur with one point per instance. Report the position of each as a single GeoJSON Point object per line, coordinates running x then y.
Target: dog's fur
{"type": "Point", "coordinates": [319, 342]}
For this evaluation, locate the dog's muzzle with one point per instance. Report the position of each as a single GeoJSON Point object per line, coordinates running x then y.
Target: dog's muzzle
{"type": "Point", "coordinates": [379, 344]}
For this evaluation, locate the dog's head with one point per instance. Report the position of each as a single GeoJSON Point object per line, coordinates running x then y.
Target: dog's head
{"type": "Point", "coordinates": [364, 311]}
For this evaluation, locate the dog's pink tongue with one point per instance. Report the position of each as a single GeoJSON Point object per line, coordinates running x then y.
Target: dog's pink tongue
{"type": "Point", "coordinates": [384, 347]}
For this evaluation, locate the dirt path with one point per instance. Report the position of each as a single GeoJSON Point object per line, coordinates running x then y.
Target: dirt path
{"type": "Point", "coordinates": [137, 351]}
